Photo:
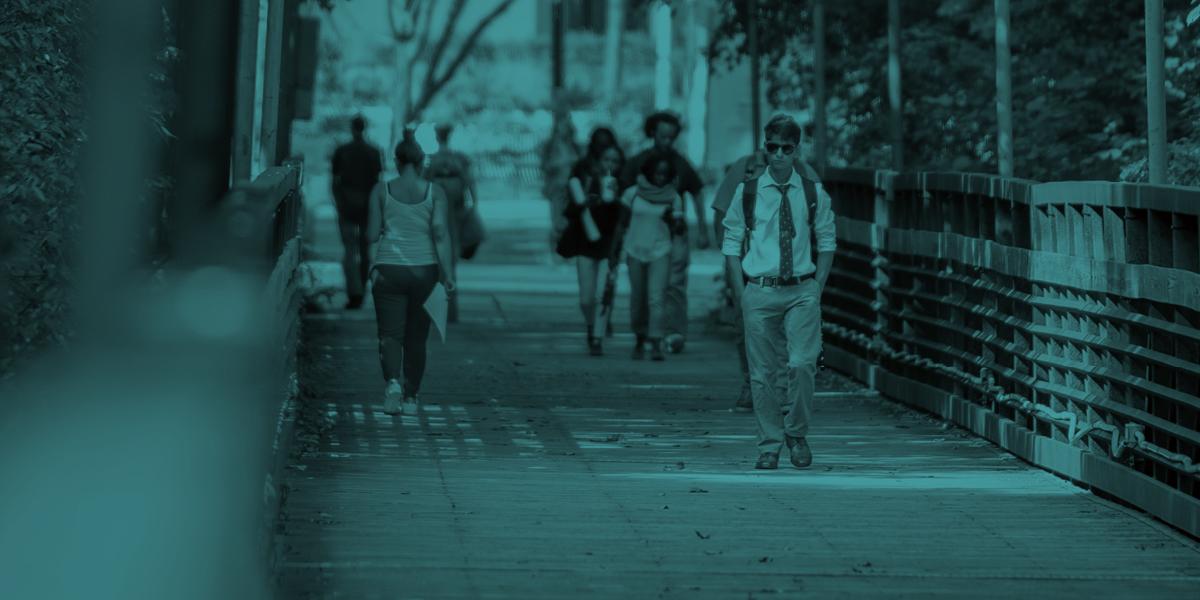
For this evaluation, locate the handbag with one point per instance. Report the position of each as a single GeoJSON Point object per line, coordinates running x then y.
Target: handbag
{"type": "Point", "coordinates": [470, 233]}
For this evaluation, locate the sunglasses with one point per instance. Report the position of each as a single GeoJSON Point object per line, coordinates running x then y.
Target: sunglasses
{"type": "Point", "coordinates": [787, 148]}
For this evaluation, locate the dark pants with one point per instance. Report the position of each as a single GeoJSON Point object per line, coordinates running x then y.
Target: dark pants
{"type": "Point", "coordinates": [352, 218]}
{"type": "Point", "coordinates": [400, 293]}
{"type": "Point", "coordinates": [355, 261]}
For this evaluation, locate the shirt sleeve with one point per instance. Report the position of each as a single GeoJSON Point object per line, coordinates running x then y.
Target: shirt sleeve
{"type": "Point", "coordinates": [735, 226]}
{"type": "Point", "coordinates": [824, 224]}
{"type": "Point", "coordinates": [724, 194]}
{"type": "Point", "coordinates": [689, 180]}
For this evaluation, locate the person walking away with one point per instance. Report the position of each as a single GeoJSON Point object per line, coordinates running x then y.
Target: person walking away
{"type": "Point", "coordinates": [655, 206]}
{"type": "Point", "coordinates": [745, 168]}
{"type": "Point", "coordinates": [587, 229]}
{"type": "Point", "coordinates": [409, 223]}
{"type": "Point", "coordinates": [355, 171]}
{"type": "Point", "coordinates": [663, 128]}
{"type": "Point", "coordinates": [779, 274]}
{"type": "Point", "coordinates": [451, 170]}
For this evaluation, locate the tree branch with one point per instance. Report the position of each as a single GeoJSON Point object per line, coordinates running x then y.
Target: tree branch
{"type": "Point", "coordinates": [440, 49]}
{"type": "Point", "coordinates": [435, 84]}
{"type": "Point", "coordinates": [423, 24]}
{"type": "Point", "coordinates": [397, 35]}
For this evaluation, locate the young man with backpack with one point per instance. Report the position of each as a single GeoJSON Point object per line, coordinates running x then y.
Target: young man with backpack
{"type": "Point", "coordinates": [778, 245]}
{"type": "Point", "coordinates": [745, 168]}
{"type": "Point", "coordinates": [452, 171]}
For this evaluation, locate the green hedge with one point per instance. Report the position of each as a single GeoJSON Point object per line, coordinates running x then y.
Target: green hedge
{"type": "Point", "coordinates": [41, 115]}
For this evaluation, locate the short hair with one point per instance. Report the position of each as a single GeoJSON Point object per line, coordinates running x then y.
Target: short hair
{"type": "Point", "coordinates": [358, 124]}
{"type": "Point", "coordinates": [652, 121]}
{"type": "Point", "coordinates": [785, 127]}
{"type": "Point", "coordinates": [408, 151]}
{"type": "Point", "coordinates": [650, 165]}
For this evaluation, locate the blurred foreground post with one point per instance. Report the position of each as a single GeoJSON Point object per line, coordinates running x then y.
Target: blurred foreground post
{"type": "Point", "coordinates": [140, 451]}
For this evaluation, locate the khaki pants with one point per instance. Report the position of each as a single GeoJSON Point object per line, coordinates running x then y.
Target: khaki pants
{"type": "Point", "coordinates": [783, 341]}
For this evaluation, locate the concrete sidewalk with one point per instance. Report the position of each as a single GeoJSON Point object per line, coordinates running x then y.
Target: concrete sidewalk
{"type": "Point", "coordinates": [536, 471]}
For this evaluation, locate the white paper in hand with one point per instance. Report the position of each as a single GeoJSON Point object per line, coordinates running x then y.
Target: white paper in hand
{"type": "Point", "coordinates": [438, 307]}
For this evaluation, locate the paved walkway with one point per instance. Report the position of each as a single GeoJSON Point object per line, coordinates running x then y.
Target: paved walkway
{"type": "Point", "coordinates": [538, 472]}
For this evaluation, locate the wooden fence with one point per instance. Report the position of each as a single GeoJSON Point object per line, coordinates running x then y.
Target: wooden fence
{"type": "Point", "coordinates": [266, 213]}
{"type": "Point", "coordinates": [1059, 320]}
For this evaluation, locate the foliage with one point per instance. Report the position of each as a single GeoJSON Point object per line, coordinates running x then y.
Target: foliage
{"type": "Point", "coordinates": [1078, 81]}
{"type": "Point", "coordinates": [40, 44]}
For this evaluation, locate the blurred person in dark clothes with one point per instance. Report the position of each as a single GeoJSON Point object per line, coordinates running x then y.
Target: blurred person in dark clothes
{"type": "Point", "coordinates": [355, 171]}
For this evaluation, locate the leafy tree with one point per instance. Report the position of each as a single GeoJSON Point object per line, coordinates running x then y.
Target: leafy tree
{"type": "Point", "coordinates": [1078, 81]}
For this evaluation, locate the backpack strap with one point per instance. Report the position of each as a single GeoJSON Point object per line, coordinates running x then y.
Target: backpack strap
{"type": "Point", "coordinates": [810, 198]}
{"type": "Point", "coordinates": [749, 198]}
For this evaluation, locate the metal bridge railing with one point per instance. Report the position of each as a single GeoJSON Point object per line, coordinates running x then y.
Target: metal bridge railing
{"type": "Point", "coordinates": [1062, 320]}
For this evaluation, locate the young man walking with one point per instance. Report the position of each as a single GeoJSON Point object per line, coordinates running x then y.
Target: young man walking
{"type": "Point", "coordinates": [778, 245]}
{"type": "Point", "coordinates": [747, 167]}
{"type": "Point", "coordinates": [355, 170]}
{"type": "Point", "coordinates": [663, 129]}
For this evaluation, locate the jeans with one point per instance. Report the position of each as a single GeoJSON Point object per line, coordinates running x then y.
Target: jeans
{"type": "Point", "coordinates": [783, 341]}
{"type": "Point", "coordinates": [400, 293]}
{"type": "Point", "coordinates": [676, 309]}
{"type": "Point", "coordinates": [647, 295]}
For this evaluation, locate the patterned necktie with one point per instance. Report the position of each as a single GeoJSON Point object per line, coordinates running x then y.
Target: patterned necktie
{"type": "Point", "coordinates": [787, 232]}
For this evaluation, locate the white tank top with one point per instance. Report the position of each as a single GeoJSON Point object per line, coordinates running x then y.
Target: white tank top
{"type": "Point", "coordinates": [407, 233]}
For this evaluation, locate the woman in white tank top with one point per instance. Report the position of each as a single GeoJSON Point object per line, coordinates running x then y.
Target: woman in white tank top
{"type": "Point", "coordinates": [407, 220]}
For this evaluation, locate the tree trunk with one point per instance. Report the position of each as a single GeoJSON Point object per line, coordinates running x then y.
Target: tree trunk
{"type": "Point", "coordinates": [612, 53]}
{"type": "Point", "coordinates": [1004, 90]}
{"type": "Point", "coordinates": [1156, 103]}
{"type": "Point", "coordinates": [660, 25]}
{"type": "Point", "coordinates": [894, 96]}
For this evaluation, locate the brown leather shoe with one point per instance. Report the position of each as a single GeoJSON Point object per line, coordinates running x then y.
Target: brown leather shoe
{"type": "Point", "coordinates": [767, 461]}
{"type": "Point", "coordinates": [799, 452]}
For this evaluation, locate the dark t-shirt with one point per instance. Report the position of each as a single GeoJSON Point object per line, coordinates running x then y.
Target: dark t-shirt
{"type": "Point", "coordinates": [357, 165]}
{"type": "Point", "coordinates": [687, 181]}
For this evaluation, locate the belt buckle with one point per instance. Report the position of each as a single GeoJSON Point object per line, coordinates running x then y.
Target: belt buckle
{"type": "Point", "coordinates": [770, 281]}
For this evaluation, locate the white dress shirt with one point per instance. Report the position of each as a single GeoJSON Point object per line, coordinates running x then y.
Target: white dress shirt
{"type": "Point", "coordinates": [763, 258]}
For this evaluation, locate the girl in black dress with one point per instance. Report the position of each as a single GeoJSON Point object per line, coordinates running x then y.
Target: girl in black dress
{"type": "Point", "coordinates": [591, 217]}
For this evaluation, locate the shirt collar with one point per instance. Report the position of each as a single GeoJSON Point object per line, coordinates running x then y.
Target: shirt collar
{"type": "Point", "coordinates": [766, 181]}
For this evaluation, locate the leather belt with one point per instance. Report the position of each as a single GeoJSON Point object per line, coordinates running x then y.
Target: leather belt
{"type": "Point", "coordinates": [779, 281]}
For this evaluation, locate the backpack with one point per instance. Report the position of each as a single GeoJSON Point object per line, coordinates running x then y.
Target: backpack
{"type": "Point", "coordinates": [755, 168]}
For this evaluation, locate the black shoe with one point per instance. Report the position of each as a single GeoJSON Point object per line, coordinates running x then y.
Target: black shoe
{"type": "Point", "coordinates": [674, 343]}
{"type": "Point", "coordinates": [767, 461]}
{"type": "Point", "coordinates": [354, 303]}
{"type": "Point", "coordinates": [656, 352]}
{"type": "Point", "coordinates": [799, 452]}
{"type": "Point", "coordinates": [595, 347]}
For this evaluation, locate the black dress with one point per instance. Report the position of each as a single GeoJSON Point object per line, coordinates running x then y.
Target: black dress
{"type": "Point", "coordinates": [606, 215]}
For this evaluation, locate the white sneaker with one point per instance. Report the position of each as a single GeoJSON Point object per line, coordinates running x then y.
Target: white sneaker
{"type": "Point", "coordinates": [391, 398]}
{"type": "Point", "coordinates": [410, 406]}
